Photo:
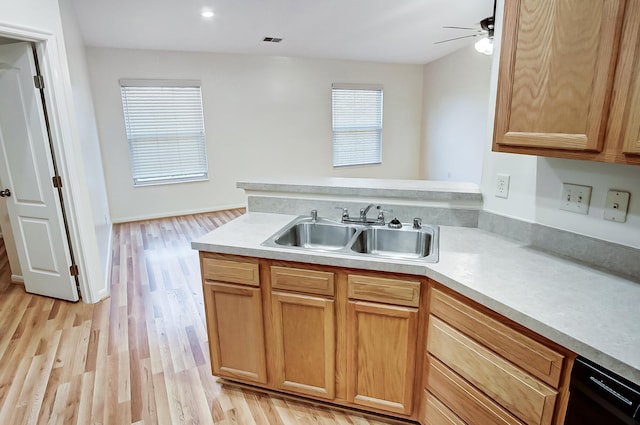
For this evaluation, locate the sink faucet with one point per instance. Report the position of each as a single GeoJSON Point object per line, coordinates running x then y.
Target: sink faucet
{"type": "Point", "coordinates": [362, 219]}
{"type": "Point", "coordinates": [364, 211]}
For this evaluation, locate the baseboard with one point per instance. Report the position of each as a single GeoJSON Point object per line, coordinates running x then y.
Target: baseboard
{"type": "Point", "coordinates": [17, 279]}
{"type": "Point", "coordinates": [106, 291]}
{"type": "Point", "coordinates": [382, 417]}
{"type": "Point", "coordinates": [175, 213]}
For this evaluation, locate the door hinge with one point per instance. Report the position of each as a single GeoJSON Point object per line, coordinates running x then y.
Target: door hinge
{"type": "Point", "coordinates": [57, 181]}
{"type": "Point", "coordinates": [73, 270]}
{"type": "Point", "coordinates": [38, 81]}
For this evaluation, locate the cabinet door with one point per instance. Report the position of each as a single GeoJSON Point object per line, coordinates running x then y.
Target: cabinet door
{"type": "Point", "coordinates": [556, 73]}
{"type": "Point", "coordinates": [381, 355]}
{"type": "Point", "coordinates": [236, 331]}
{"type": "Point", "coordinates": [629, 79]}
{"type": "Point", "coordinates": [304, 344]}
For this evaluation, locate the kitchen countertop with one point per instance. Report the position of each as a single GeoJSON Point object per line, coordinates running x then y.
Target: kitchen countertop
{"type": "Point", "coordinates": [588, 311]}
{"type": "Point", "coordinates": [423, 190]}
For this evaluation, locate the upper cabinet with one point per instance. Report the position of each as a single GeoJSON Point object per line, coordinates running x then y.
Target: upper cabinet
{"type": "Point", "coordinates": [569, 80]}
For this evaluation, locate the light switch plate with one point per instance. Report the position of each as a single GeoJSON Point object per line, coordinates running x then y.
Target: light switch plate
{"type": "Point", "coordinates": [575, 198]}
{"type": "Point", "coordinates": [616, 205]}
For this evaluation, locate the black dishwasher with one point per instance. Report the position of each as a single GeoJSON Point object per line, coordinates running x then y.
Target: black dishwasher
{"type": "Point", "coordinates": [600, 397]}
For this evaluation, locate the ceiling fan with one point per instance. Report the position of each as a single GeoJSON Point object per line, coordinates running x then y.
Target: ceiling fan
{"type": "Point", "coordinates": [485, 44]}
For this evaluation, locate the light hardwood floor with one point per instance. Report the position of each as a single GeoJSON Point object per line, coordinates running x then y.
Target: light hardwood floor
{"type": "Point", "coordinates": [138, 357]}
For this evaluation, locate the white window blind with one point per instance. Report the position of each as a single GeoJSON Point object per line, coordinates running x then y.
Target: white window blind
{"type": "Point", "coordinates": [357, 124]}
{"type": "Point", "coordinates": [165, 130]}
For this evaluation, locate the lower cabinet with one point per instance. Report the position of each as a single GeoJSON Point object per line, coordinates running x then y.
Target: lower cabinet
{"type": "Point", "coordinates": [482, 369]}
{"type": "Point", "coordinates": [304, 330]}
{"type": "Point", "coordinates": [236, 331]}
{"type": "Point", "coordinates": [381, 355]}
{"type": "Point", "coordinates": [436, 413]}
{"type": "Point", "coordinates": [381, 342]}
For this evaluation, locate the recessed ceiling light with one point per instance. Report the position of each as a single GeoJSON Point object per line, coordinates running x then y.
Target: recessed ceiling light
{"type": "Point", "coordinates": [207, 13]}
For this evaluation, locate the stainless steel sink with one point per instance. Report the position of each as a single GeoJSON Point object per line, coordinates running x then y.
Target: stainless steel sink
{"type": "Point", "coordinates": [400, 243]}
{"type": "Point", "coordinates": [321, 234]}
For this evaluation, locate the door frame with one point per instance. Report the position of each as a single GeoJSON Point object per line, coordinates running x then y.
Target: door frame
{"type": "Point", "coordinates": [59, 99]}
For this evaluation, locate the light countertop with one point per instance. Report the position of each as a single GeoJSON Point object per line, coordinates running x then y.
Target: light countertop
{"type": "Point", "coordinates": [588, 311]}
{"type": "Point", "coordinates": [423, 190]}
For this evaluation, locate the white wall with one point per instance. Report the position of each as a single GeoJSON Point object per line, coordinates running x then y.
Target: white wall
{"type": "Point", "coordinates": [552, 172]}
{"type": "Point", "coordinates": [455, 111]}
{"type": "Point", "coordinates": [87, 131]}
{"type": "Point", "coordinates": [264, 116]}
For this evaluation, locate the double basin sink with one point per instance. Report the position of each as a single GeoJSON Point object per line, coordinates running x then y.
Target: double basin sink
{"type": "Point", "coordinates": [324, 235]}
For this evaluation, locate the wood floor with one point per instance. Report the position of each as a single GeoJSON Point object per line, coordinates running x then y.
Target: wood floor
{"type": "Point", "coordinates": [138, 357]}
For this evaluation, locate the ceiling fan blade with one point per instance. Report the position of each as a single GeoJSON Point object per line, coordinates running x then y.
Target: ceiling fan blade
{"type": "Point", "coordinates": [457, 38]}
{"type": "Point", "coordinates": [461, 28]}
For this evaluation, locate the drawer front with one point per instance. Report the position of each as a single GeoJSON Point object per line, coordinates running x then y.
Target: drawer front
{"type": "Point", "coordinates": [436, 413]}
{"type": "Point", "coordinates": [231, 271]}
{"type": "Point", "coordinates": [525, 396]}
{"type": "Point", "coordinates": [471, 405]}
{"type": "Point", "coordinates": [388, 291]}
{"type": "Point", "coordinates": [537, 359]}
{"type": "Point", "coordinates": [309, 281]}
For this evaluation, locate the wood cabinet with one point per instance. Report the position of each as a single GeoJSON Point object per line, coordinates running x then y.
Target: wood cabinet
{"type": "Point", "coordinates": [304, 339]}
{"type": "Point", "coordinates": [382, 341]}
{"type": "Point", "coordinates": [234, 319]}
{"type": "Point", "coordinates": [381, 356]}
{"type": "Point", "coordinates": [485, 369]}
{"type": "Point", "coordinates": [436, 413]}
{"type": "Point", "coordinates": [524, 396]}
{"type": "Point", "coordinates": [568, 80]}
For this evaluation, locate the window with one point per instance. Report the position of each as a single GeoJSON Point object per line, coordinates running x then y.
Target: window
{"type": "Point", "coordinates": [357, 124]}
{"type": "Point", "coordinates": [165, 130]}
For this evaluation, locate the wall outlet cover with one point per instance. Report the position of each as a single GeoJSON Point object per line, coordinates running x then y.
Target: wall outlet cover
{"type": "Point", "coordinates": [502, 185]}
{"type": "Point", "coordinates": [575, 198]}
{"type": "Point", "coordinates": [616, 205]}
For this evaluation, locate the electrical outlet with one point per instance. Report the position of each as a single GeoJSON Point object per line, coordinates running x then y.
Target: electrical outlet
{"type": "Point", "coordinates": [616, 205]}
{"type": "Point", "coordinates": [575, 198]}
{"type": "Point", "coordinates": [502, 185]}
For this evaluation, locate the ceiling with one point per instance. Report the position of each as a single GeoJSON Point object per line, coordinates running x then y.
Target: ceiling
{"type": "Point", "coordinates": [399, 31]}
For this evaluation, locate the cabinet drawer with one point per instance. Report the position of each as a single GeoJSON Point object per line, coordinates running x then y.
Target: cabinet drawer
{"type": "Point", "coordinates": [463, 399]}
{"type": "Point", "coordinates": [231, 271]}
{"type": "Point", "coordinates": [523, 395]}
{"type": "Point", "coordinates": [436, 413]}
{"type": "Point", "coordinates": [309, 281]}
{"type": "Point", "coordinates": [537, 359]}
{"type": "Point", "coordinates": [388, 291]}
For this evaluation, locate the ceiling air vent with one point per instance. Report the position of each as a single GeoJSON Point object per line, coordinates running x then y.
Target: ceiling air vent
{"type": "Point", "coordinates": [272, 39]}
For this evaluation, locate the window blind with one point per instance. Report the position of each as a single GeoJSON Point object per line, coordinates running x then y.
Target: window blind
{"type": "Point", "coordinates": [357, 125]}
{"type": "Point", "coordinates": [165, 130]}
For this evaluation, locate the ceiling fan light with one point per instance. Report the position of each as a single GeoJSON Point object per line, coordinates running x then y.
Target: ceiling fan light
{"type": "Point", "coordinates": [485, 45]}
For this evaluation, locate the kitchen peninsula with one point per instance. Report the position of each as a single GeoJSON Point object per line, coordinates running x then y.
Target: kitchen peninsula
{"type": "Point", "coordinates": [485, 293]}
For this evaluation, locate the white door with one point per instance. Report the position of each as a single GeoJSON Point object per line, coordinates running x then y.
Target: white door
{"type": "Point", "coordinates": [26, 171]}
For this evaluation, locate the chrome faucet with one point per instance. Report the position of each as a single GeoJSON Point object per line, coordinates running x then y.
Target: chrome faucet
{"type": "Point", "coordinates": [365, 211]}
{"type": "Point", "coordinates": [362, 219]}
